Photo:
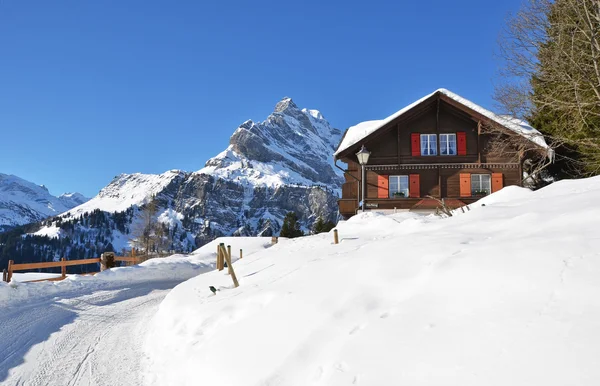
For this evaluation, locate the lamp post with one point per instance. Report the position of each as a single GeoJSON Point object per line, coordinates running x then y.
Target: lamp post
{"type": "Point", "coordinates": [363, 157]}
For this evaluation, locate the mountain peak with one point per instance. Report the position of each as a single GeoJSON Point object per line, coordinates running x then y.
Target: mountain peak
{"type": "Point", "coordinates": [291, 146]}
{"type": "Point", "coordinates": [285, 104]}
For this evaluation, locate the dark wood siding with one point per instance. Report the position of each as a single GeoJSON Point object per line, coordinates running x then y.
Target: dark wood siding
{"type": "Point", "coordinates": [391, 154]}
{"type": "Point", "coordinates": [450, 178]}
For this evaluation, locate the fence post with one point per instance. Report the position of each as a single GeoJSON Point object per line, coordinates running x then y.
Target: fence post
{"type": "Point", "coordinates": [229, 267]}
{"type": "Point", "coordinates": [221, 257]}
{"type": "Point", "coordinates": [335, 237]}
{"type": "Point", "coordinates": [4, 274]}
{"type": "Point", "coordinates": [240, 253]}
{"type": "Point", "coordinates": [10, 270]}
{"type": "Point", "coordinates": [233, 277]}
{"type": "Point", "coordinates": [63, 268]}
{"type": "Point", "coordinates": [274, 240]}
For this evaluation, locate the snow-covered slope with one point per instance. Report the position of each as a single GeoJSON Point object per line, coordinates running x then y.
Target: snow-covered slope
{"type": "Point", "coordinates": [23, 202]}
{"type": "Point", "coordinates": [89, 330]}
{"type": "Point", "coordinates": [126, 190]}
{"type": "Point", "coordinates": [504, 294]}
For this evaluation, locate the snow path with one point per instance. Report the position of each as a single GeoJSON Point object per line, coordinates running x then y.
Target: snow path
{"type": "Point", "coordinates": [81, 338]}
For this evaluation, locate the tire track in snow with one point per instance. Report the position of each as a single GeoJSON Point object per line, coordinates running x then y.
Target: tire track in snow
{"type": "Point", "coordinates": [93, 339]}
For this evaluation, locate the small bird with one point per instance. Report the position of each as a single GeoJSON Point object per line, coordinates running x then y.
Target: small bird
{"type": "Point", "coordinates": [213, 289]}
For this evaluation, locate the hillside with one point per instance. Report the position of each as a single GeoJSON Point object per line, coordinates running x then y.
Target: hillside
{"type": "Point", "coordinates": [23, 202]}
{"type": "Point", "coordinates": [269, 168]}
{"type": "Point", "coordinates": [504, 294]}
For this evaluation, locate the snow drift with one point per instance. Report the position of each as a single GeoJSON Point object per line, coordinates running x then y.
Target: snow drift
{"type": "Point", "coordinates": [504, 294]}
{"type": "Point", "coordinates": [176, 267]}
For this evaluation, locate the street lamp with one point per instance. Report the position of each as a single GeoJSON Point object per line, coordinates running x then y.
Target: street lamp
{"type": "Point", "coordinates": [363, 157]}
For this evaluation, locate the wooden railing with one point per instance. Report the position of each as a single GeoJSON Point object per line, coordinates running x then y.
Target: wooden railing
{"type": "Point", "coordinates": [63, 264]}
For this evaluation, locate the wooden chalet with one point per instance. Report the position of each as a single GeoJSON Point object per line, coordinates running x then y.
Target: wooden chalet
{"type": "Point", "coordinates": [440, 146]}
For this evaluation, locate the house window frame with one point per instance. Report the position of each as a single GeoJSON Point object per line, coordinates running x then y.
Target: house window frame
{"type": "Point", "coordinates": [448, 143]}
{"type": "Point", "coordinates": [479, 177]}
{"type": "Point", "coordinates": [398, 178]}
{"type": "Point", "coordinates": [434, 148]}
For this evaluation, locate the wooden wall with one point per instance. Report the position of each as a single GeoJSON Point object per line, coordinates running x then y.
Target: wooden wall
{"type": "Point", "coordinates": [393, 143]}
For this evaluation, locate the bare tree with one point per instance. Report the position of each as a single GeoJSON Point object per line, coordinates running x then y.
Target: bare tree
{"type": "Point", "coordinates": [550, 52]}
{"type": "Point", "coordinates": [144, 230]}
{"type": "Point", "coordinates": [527, 147]}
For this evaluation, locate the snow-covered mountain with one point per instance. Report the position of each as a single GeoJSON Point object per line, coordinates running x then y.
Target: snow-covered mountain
{"type": "Point", "coordinates": [270, 168]}
{"type": "Point", "coordinates": [23, 202]}
{"type": "Point", "coordinates": [292, 146]}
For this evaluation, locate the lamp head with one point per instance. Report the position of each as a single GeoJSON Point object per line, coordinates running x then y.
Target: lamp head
{"type": "Point", "coordinates": [363, 155]}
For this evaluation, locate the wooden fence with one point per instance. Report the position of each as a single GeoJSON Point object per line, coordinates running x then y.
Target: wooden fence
{"type": "Point", "coordinates": [63, 264]}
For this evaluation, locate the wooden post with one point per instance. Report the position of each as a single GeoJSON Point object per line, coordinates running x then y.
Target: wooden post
{"type": "Point", "coordinates": [240, 253]}
{"type": "Point", "coordinates": [218, 257]}
{"type": "Point", "coordinates": [335, 237]}
{"type": "Point", "coordinates": [229, 267]}
{"type": "Point", "coordinates": [4, 274]}
{"type": "Point", "coordinates": [10, 271]}
{"type": "Point", "coordinates": [63, 268]}
{"type": "Point", "coordinates": [221, 257]}
{"type": "Point", "coordinates": [218, 254]}
{"type": "Point", "coordinates": [274, 240]}
{"type": "Point", "coordinates": [233, 277]}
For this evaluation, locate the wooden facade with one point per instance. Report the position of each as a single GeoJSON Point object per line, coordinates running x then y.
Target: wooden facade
{"type": "Point", "coordinates": [396, 153]}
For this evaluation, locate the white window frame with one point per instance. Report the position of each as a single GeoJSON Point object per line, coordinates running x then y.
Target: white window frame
{"type": "Point", "coordinates": [447, 144]}
{"type": "Point", "coordinates": [479, 178]}
{"type": "Point", "coordinates": [398, 179]}
{"type": "Point", "coordinates": [429, 143]}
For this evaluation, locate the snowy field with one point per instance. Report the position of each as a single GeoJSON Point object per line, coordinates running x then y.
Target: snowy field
{"type": "Point", "coordinates": [89, 330]}
{"type": "Point", "coordinates": [505, 294]}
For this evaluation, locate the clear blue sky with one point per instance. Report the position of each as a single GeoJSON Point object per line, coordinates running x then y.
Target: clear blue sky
{"type": "Point", "coordinates": [92, 89]}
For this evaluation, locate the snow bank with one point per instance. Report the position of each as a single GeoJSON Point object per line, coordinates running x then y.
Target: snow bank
{"type": "Point", "coordinates": [176, 267]}
{"type": "Point", "coordinates": [504, 294]}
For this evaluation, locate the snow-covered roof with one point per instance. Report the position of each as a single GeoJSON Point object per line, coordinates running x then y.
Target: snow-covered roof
{"type": "Point", "coordinates": [360, 131]}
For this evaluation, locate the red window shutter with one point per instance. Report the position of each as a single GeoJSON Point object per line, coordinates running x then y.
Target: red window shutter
{"type": "Point", "coordinates": [414, 189]}
{"type": "Point", "coordinates": [461, 142]}
{"type": "Point", "coordinates": [465, 185]}
{"type": "Point", "coordinates": [383, 183]}
{"type": "Point", "coordinates": [415, 141]}
{"type": "Point", "coordinates": [497, 182]}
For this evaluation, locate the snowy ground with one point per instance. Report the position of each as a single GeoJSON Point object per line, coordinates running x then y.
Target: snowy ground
{"type": "Point", "coordinates": [31, 276]}
{"type": "Point", "coordinates": [505, 294]}
{"type": "Point", "coordinates": [90, 330]}
{"type": "Point", "coordinates": [90, 337]}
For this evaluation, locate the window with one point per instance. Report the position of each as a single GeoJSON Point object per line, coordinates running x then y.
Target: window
{"type": "Point", "coordinates": [428, 144]}
{"type": "Point", "coordinates": [398, 186]}
{"type": "Point", "coordinates": [481, 184]}
{"type": "Point", "coordinates": [448, 144]}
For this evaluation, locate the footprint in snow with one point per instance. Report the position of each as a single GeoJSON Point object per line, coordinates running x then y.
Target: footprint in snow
{"type": "Point", "coordinates": [386, 314]}
{"type": "Point", "coordinates": [341, 367]}
{"type": "Point", "coordinates": [357, 329]}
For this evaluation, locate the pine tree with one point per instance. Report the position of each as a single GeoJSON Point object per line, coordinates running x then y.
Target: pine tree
{"type": "Point", "coordinates": [551, 62]}
{"type": "Point", "coordinates": [318, 226]}
{"type": "Point", "coordinates": [321, 226]}
{"type": "Point", "coordinates": [291, 226]}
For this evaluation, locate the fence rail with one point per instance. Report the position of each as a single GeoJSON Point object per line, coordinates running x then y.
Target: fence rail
{"type": "Point", "coordinates": [63, 264]}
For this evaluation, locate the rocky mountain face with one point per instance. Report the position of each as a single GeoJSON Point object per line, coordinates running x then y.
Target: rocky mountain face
{"type": "Point", "coordinates": [270, 168]}
{"type": "Point", "coordinates": [23, 202]}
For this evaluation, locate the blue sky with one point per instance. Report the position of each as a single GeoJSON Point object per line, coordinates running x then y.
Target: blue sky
{"type": "Point", "coordinates": [92, 89]}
